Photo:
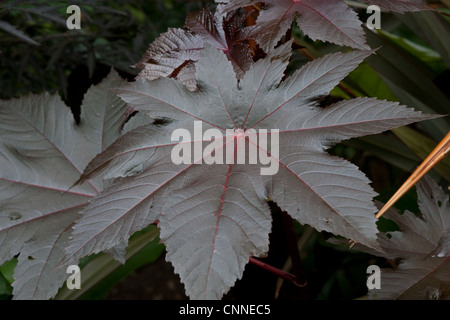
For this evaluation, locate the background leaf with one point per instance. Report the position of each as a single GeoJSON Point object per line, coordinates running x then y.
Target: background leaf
{"type": "Point", "coordinates": [419, 274]}
{"type": "Point", "coordinates": [100, 272]}
{"type": "Point", "coordinates": [43, 153]}
{"type": "Point", "coordinates": [320, 20]}
{"type": "Point", "coordinates": [16, 32]}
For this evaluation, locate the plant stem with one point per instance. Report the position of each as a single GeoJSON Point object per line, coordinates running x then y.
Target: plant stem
{"type": "Point", "coordinates": [301, 245]}
{"type": "Point", "coordinates": [290, 238]}
{"type": "Point", "coordinates": [294, 253]}
{"type": "Point", "coordinates": [281, 273]}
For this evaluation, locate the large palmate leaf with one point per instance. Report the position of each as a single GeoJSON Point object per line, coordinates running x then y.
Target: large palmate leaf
{"type": "Point", "coordinates": [421, 246]}
{"type": "Point", "coordinates": [211, 207]}
{"type": "Point", "coordinates": [174, 52]}
{"type": "Point", "coordinates": [325, 20]}
{"type": "Point", "coordinates": [42, 153]}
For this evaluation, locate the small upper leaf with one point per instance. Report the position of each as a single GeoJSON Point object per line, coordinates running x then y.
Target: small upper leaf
{"type": "Point", "coordinates": [169, 54]}
{"type": "Point", "coordinates": [174, 52]}
{"type": "Point", "coordinates": [325, 20]}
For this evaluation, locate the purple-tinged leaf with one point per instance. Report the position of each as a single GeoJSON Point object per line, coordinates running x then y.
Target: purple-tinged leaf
{"type": "Point", "coordinates": [336, 23]}
{"type": "Point", "coordinates": [423, 271]}
{"type": "Point", "coordinates": [174, 52]}
{"type": "Point", "coordinates": [214, 216]}
{"type": "Point", "coordinates": [325, 20]}
{"type": "Point", "coordinates": [169, 54]}
{"type": "Point", "coordinates": [43, 152]}
{"type": "Point", "coordinates": [205, 24]}
{"type": "Point", "coordinates": [389, 5]}
{"type": "Point", "coordinates": [35, 275]}
{"type": "Point", "coordinates": [443, 248]}
{"type": "Point", "coordinates": [420, 236]}
{"type": "Point", "coordinates": [212, 224]}
{"type": "Point", "coordinates": [415, 279]}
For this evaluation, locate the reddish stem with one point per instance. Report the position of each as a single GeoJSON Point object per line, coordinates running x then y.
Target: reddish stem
{"type": "Point", "coordinates": [281, 273]}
